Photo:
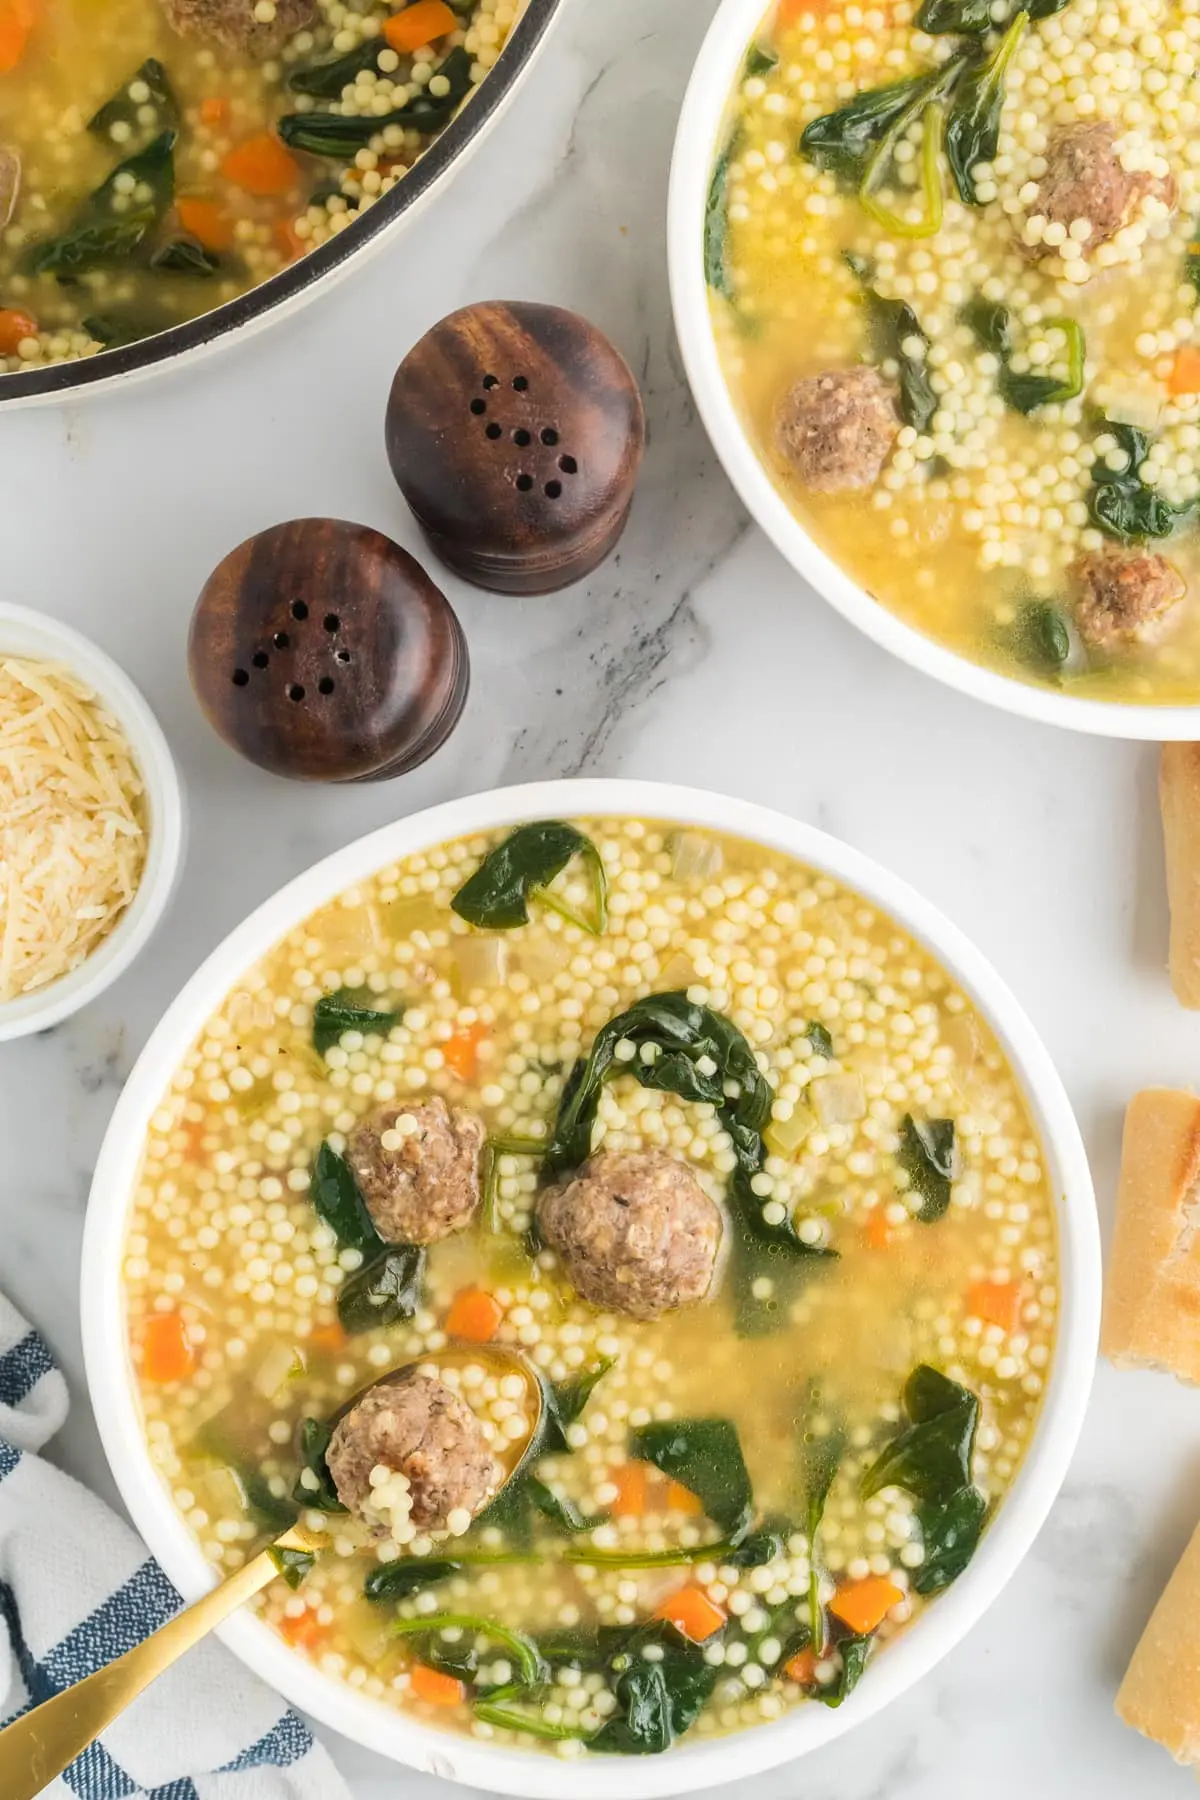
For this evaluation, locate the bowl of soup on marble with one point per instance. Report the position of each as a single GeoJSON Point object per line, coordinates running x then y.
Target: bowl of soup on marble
{"type": "Point", "coordinates": [935, 285]}
{"type": "Point", "coordinates": [645, 1242]}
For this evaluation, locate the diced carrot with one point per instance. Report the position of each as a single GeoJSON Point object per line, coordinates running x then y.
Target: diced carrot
{"type": "Point", "coordinates": [802, 1667]}
{"type": "Point", "coordinates": [304, 1632]}
{"type": "Point", "coordinates": [1185, 371]}
{"type": "Point", "coordinates": [417, 25]}
{"type": "Point", "coordinates": [681, 1499]}
{"type": "Point", "coordinates": [291, 244]}
{"type": "Point", "coordinates": [877, 1232]}
{"type": "Point", "coordinates": [692, 1613]}
{"type": "Point", "coordinates": [434, 1687]}
{"type": "Point", "coordinates": [630, 1483]}
{"type": "Point", "coordinates": [461, 1052]}
{"type": "Point", "coordinates": [166, 1353]}
{"type": "Point", "coordinates": [475, 1315]}
{"type": "Point", "coordinates": [207, 221]}
{"type": "Point", "coordinates": [14, 326]}
{"type": "Point", "coordinates": [262, 165]}
{"type": "Point", "coordinates": [16, 23]}
{"type": "Point", "coordinates": [791, 10]}
{"type": "Point", "coordinates": [997, 1302]}
{"type": "Point", "coordinates": [214, 110]}
{"type": "Point", "coordinates": [328, 1337]}
{"type": "Point", "coordinates": [863, 1604]}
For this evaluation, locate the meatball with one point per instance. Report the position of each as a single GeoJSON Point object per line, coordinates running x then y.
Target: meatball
{"type": "Point", "coordinates": [1123, 596]}
{"type": "Point", "coordinates": [419, 1428]}
{"type": "Point", "coordinates": [233, 22]}
{"type": "Point", "coordinates": [835, 429]}
{"type": "Point", "coordinates": [417, 1168]}
{"type": "Point", "coordinates": [636, 1232]}
{"type": "Point", "coordinates": [1085, 179]}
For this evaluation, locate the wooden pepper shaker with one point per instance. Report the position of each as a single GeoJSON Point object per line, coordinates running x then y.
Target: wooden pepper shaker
{"type": "Point", "coordinates": [321, 650]}
{"type": "Point", "coordinates": [515, 432]}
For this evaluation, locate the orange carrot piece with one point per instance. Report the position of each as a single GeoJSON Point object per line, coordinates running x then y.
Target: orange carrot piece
{"type": "Point", "coordinates": [207, 221]}
{"type": "Point", "coordinates": [17, 19]}
{"type": "Point", "coordinates": [14, 326]}
{"type": "Point", "coordinates": [166, 1353]}
{"type": "Point", "coordinates": [328, 1337]}
{"type": "Point", "coordinates": [418, 25]}
{"type": "Point", "coordinates": [461, 1052]}
{"type": "Point", "coordinates": [261, 165]}
{"type": "Point", "coordinates": [877, 1232]}
{"type": "Point", "coordinates": [1185, 371]}
{"type": "Point", "coordinates": [630, 1483]}
{"type": "Point", "coordinates": [802, 1667]}
{"type": "Point", "coordinates": [214, 110]}
{"type": "Point", "coordinates": [996, 1302]}
{"type": "Point", "coordinates": [475, 1315]}
{"type": "Point", "coordinates": [304, 1632]}
{"type": "Point", "coordinates": [434, 1687]}
{"type": "Point", "coordinates": [681, 1499]}
{"type": "Point", "coordinates": [692, 1614]}
{"type": "Point", "coordinates": [863, 1604]}
{"type": "Point", "coordinates": [791, 10]}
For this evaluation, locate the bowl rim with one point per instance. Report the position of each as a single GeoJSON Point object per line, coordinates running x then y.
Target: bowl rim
{"type": "Point", "coordinates": [289, 287]}
{"type": "Point", "coordinates": [693, 1765]}
{"type": "Point", "coordinates": [704, 110]}
{"type": "Point", "coordinates": [54, 641]}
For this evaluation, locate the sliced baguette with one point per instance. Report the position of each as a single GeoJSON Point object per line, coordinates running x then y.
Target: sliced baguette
{"type": "Point", "coordinates": [1160, 1695]}
{"type": "Point", "coordinates": [1179, 797]}
{"type": "Point", "coordinates": [1152, 1291]}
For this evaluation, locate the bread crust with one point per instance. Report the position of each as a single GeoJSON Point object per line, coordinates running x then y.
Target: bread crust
{"type": "Point", "coordinates": [1179, 798]}
{"type": "Point", "coordinates": [1152, 1291]}
{"type": "Point", "coordinates": [1160, 1695]}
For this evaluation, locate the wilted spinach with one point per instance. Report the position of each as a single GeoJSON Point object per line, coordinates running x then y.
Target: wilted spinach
{"type": "Point", "coordinates": [293, 1565]}
{"type": "Point", "coordinates": [521, 869]}
{"type": "Point", "coordinates": [408, 1575]}
{"type": "Point", "coordinates": [931, 1459]}
{"type": "Point", "coordinates": [894, 325]}
{"type": "Point", "coordinates": [1041, 638]}
{"type": "Point", "coordinates": [760, 60]}
{"type": "Point", "coordinates": [854, 1650]}
{"type": "Point", "coordinates": [658, 1700]}
{"type": "Point", "coordinates": [1025, 390]}
{"type": "Point", "coordinates": [318, 1492]}
{"type": "Point", "coordinates": [338, 1204]}
{"type": "Point", "coordinates": [347, 1010]}
{"type": "Point", "coordinates": [384, 1290]}
{"type": "Point", "coordinates": [716, 222]}
{"type": "Point", "coordinates": [819, 1038]}
{"type": "Point", "coordinates": [1121, 503]}
{"type": "Point", "coordinates": [965, 18]}
{"type": "Point", "coordinates": [342, 135]}
{"type": "Point", "coordinates": [973, 122]}
{"type": "Point", "coordinates": [820, 1455]}
{"type": "Point", "coordinates": [110, 225]}
{"type": "Point", "coordinates": [325, 80]}
{"type": "Point", "coordinates": [185, 256]}
{"type": "Point", "coordinates": [704, 1456]}
{"type": "Point", "coordinates": [845, 140]}
{"type": "Point", "coordinates": [565, 1401]}
{"type": "Point", "coordinates": [123, 109]}
{"type": "Point", "coordinates": [927, 1156]}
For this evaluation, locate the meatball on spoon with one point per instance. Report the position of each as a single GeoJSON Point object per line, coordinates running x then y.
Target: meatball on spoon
{"type": "Point", "coordinates": [440, 1464]}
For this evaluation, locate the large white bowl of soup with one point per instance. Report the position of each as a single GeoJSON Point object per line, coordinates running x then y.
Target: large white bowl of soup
{"type": "Point", "coordinates": [935, 286]}
{"type": "Point", "coordinates": [644, 1240]}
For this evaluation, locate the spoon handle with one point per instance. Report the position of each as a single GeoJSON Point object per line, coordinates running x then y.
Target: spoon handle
{"type": "Point", "coordinates": [39, 1745]}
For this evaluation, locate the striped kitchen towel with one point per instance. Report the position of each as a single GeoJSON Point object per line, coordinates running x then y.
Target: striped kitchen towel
{"type": "Point", "coordinates": [77, 1589]}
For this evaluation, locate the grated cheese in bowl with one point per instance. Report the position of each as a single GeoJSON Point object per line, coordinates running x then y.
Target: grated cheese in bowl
{"type": "Point", "coordinates": [72, 823]}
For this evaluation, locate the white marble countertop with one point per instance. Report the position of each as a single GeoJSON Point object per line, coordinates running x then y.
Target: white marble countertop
{"type": "Point", "coordinates": [697, 655]}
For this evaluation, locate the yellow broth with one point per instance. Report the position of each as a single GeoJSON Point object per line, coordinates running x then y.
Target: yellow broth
{"type": "Point", "coordinates": [232, 1284]}
{"type": "Point", "coordinates": [978, 515]}
{"type": "Point", "coordinates": [235, 204]}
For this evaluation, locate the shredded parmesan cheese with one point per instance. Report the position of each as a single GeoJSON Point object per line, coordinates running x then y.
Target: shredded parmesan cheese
{"type": "Point", "coordinates": [72, 824]}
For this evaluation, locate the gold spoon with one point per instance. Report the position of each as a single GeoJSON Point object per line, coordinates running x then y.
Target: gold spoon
{"type": "Point", "coordinates": [42, 1742]}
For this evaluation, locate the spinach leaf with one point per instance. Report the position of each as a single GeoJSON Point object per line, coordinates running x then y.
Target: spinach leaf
{"type": "Point", "coordinates": [894, 324]}
{"type": "Point", "coordinates": [820, 1039]}
{"type": "Point", "coordinates": [716, 222]}
{"type": "Point", "coordinates": [658, 1700]}
{"type": "Point", "coordinates": [110, 225]}
{"type": "Point", "coordinates": [514, 1708]}
{"type": "Point", "coordinates": [931, 1456]}
{"type": "Point", "coordinates": [264, 1507]}
{"type": "Point", "coordinates": [521, 869]}
{"type": "Point", "coordinates": [123, 325]}
{"type": "Point", "coordinates": [1026, 390]}
{"type": "Point", "coordinates": [325, 80]}
{"type": "Point", "coordinates": [384, 1290]}
{"type": "Point", "coordinates": [950, 1534]}
{"type": "Point", "coordinates": [966, 18]}
{"type": "Point", "coordinates": [559, 1508]}
{"type": "Point", "coordinates": [704, 1456]}
{"type": "Point", "coordinates": [317, 1491]}
{"type": "Point", "coordinates": [521, 1649]}
{"type": "Point", "coordinates": [565, 1402]}
{"type": "Point", "coordinates": [345, 1011]}
{"type": "Point", "coordinates": [760, 60]}
{"type": "Point", "coordinates": [185, 256]}
{"type": "Point", "coordinates": [973, 124]}
{"type": "Point", "coordinates": [218, 1439]}
{"type": "Point", "coordinates": [820, 1457]}
{"type": "Point", "coordinates": [293, 1565]}
{"type": "Point", "coordinates": [844, 141]}
{"type": "Point", "coordinates": [854, 1651]}
{"type": "Point", "coordinates": [1041, 638]}
{"type": "Point", "coordinates": [123, 109]}
{"type": "Point", "coordinates": [342, 135]}
{"type": "Point", "coordinates": [1191, 261]}
{"type": "Point", "coordinates": [992, 324]}
{"type": "Point", "coordinates": [1121, 503]}
{"type": "Point", "coordinates": [1046, 9]}
{"type": "Point", "coordinates": [753, 1552]}
{"type": "Point", "coordinates": [927, 1156]}
{"type": "Point", "coordinates": [395, 1581]}
{"type": "Point", "coordinates": [338, 1204]}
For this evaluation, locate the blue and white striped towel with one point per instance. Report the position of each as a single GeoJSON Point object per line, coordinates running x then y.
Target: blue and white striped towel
{"type": "Point", "coordinates": [77, 1589]}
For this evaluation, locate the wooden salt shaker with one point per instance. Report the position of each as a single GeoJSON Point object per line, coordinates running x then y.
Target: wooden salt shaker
{"type": "Point", "coordinates": [321, 650]}
{"type": "Point", "coordinates": [515, 432]}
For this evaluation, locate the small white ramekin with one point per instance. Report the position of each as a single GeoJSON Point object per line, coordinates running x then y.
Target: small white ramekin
{"type": "Point", "coordinates": [704, 114]}
{"type": "Point", "coordinates": [26, 633]}
{"type": "Point", "coordinates": [697, 1762]}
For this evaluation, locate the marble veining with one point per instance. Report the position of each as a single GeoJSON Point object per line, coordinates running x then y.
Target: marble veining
{"type": "Point", "coordinates": [695, 654]}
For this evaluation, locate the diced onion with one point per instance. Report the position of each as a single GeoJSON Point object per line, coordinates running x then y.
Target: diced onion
{"type": "Point", "coordinates": [839, 1099]}
{"type": "Point", "coordinates": [695, 856]}
{"type": "Point", "coordinates": [482, 961]}
{"type": "Point", "coordinates": [281, 1362]}
{"type": "Point", "coordinates": [785, 1136]}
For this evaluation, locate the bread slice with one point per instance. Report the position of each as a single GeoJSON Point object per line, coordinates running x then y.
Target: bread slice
{"type": "Point", "coordinates": [1179, 797]}
{"type": "Point", "coordinates": [1160, 1695]}
{"type": "Point", "coordinates": [1152, 1292]}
